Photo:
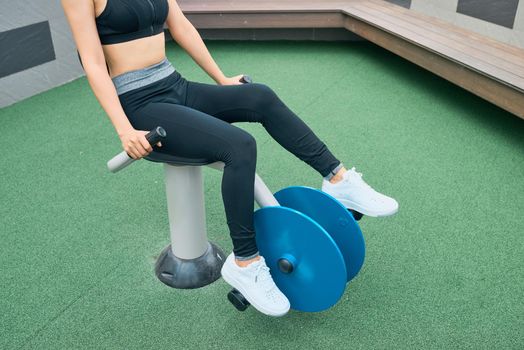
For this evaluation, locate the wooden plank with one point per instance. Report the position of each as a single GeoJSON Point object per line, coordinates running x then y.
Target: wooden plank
{"type": "Point", "coordinates": [260, 5]}
{"type": "Point", "coordinates": [477, 47]}
{"type": "Point", "coordinates": [432, 42]}
{"type": "Point", "coordinates": [459, 32]}
{"type": "Point", "coordinates": [498, 93]}
{"type": "Point", "coordinates": [267, 20]}
{"type": "Point", "coordinates": [388, 24]}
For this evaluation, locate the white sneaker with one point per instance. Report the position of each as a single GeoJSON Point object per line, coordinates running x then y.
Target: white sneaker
{"type": "Point", "coordinates": [354, 193]}
{"type": "Point", "coordinates": [256, 284]}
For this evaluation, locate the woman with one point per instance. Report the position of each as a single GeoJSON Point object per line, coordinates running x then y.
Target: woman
{"type": "Point", "coordinates": [140, 89]}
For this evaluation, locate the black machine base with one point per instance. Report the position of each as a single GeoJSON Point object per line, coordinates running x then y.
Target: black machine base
{"type": "Point", "coordinates": [190, 273]}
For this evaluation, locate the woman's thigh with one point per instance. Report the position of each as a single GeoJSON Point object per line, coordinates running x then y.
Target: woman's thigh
{"type": "Point", "coordinates": [256, 102]}
{"type": "Point", "coordinates": [230, 103]}
{"type": "Point", "coordinates": [190, 133]}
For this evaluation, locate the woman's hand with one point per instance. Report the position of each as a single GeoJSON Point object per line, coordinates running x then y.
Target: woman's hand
{"type": "Point", "coordinates": [134, 142]}
{"type": "Point", "coordinates": [232, 81]}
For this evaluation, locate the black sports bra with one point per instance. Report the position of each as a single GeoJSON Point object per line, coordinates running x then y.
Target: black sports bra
{"type": "Point", "coordinates": [126, 20]}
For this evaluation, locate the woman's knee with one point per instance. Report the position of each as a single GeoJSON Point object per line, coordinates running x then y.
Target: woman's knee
{"type": "Point", "coordinates": [262, 95]}
{"type": "Point", "coordinates": [246, 144]}
{"type": "Point", "coordinates": [244, 149]}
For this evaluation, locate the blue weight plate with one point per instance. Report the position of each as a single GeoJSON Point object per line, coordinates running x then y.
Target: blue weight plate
{"type": "Point", "coordinates": [318, 279]}
{"type": "Point", "coordinates": [333, 217]}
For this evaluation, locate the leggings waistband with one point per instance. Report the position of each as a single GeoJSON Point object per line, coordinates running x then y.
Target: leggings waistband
{"type": "Point", "coordinates": [137, 78]}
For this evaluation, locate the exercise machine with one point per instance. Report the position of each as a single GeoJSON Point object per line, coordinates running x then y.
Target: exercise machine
{"type": "Point", "coordinates": [310, 241]}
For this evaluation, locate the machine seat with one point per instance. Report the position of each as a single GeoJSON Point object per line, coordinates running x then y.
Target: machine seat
{"type": "Point", "coordinates": [160, 157]}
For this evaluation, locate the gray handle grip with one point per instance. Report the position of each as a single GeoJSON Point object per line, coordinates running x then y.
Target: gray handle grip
{"type": "Point", "coordinates": [121, 160]}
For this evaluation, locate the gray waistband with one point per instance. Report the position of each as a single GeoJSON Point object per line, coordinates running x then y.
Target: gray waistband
{"type": "Point", "coordinates": [137, 78]}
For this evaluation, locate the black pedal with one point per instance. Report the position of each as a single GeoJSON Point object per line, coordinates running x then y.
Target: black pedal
{"type": "Point", "coordinates": [356, 214]}
{"type": "Point", "coordinates": [237, 299]}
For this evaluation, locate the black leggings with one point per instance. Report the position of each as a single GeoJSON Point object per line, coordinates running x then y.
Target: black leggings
{"type": "Point", "coordinates": [197, 118]}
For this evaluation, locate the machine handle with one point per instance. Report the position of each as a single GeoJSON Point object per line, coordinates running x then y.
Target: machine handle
{"type": "Point", "coordinates": [246, 79]}
{"type": "Point", "coordinates": [156, 135]}
{"type": "Point", "coordinates": [121, 160]}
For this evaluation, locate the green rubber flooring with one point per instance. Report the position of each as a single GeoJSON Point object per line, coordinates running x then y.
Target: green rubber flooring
{"type": "Point", "coordinates": [78, 244]}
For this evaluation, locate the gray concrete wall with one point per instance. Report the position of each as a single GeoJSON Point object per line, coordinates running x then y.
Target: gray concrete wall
{"type": "Point", "coordinates": [51, 62]}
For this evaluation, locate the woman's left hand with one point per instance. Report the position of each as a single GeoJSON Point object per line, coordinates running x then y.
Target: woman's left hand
{"type": "Point", "coordinates": [232, 81]}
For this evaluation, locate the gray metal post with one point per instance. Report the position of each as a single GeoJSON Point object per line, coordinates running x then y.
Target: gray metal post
{"type": "Point", "coordinates": [185, 207]}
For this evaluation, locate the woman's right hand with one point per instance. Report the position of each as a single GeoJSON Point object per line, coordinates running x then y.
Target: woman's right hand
{"type": "Point", "coordinates": [134, 142]}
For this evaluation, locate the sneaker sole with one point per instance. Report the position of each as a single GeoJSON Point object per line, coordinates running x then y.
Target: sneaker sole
{"type": "Point", "coordinates": [352, 205]}
{"type": "Point", "coordinates": [234, 283]}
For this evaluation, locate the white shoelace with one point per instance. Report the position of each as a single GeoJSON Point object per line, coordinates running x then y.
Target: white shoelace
{"type": "Point", "coordinates": [358, 176]}
{"type": "Point", "coordinates": [263, 276]}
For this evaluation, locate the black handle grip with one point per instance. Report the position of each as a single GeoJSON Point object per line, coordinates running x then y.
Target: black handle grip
{"type": "Point", "coordinates": [155, 135]}
{"type": "Point", "coordinates": [246, 79]}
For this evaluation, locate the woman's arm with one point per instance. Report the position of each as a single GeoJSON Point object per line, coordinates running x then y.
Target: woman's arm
{"type": "Point", "coordinates": [189, 39]}
{"type": "Point", "coordinates": [81, 17]}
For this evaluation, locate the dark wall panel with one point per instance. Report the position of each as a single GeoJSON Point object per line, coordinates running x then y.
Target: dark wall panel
{"type": "Point", "coordinates": [501, 12]}
{"type": "Point", "coordinates": [403, 3]}
{"type": "Point", "coordinates": [25, 47]}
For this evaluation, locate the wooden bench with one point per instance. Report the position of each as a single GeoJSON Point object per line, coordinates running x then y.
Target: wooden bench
{"type": "Point", "coordinates": [488, 68]}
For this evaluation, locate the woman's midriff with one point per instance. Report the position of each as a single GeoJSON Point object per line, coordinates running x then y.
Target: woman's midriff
{"type": "Point", "coordinates": [135, 54]}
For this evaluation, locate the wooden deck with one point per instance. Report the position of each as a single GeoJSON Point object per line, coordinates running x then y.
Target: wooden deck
{"type": "Point", "coordinates": [488, 68]}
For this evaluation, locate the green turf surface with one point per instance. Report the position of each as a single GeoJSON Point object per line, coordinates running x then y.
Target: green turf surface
{"type": "Point", "coordinates": [78, 243]}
